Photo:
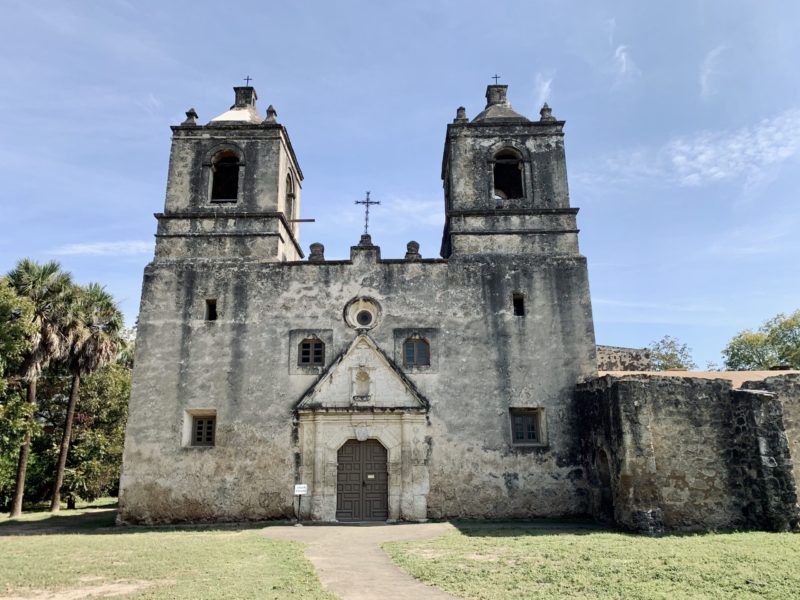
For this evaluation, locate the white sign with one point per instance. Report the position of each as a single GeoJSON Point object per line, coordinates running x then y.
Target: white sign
{"type": "Point", "coordinates": [300, 489]}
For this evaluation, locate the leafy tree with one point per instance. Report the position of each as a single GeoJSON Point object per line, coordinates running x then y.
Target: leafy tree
{"type": "Point", "coordinates": [775, 343]}
{"type": "Point", "coordinates": [128, 348]}
{"type": "Point", "coordinates": [50, 291]}
{"type": "Point", "coordinates": [670, 353]}
{"type": "Point", "coordinates": [16, 419]}
{"type": "Point", "coordinates": [95, 456]}
{"type": "Point", "coordinates": [16, 330]}
{"type": "Point", "coordinates": [95, 342]}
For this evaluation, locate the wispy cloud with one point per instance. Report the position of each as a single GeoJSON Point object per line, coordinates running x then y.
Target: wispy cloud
{"type": "Point", "coordinates": [626, 70]}
{"type": "Point", "coordinates": [688, 307]}
{"type": "Point", "coordinates": [705, 157]}
{"type": "Point", "coordinates": [397, 213]}
{"type": "Point", "coordinates": [61, 20]}
{"type": "Point", "coordinates": [758, 240]}
{"type": "Point", "coordinates": [609, 310]}
{"type": "Point", "coordinates": [710, 156]}
{"type": "Point", "coordinates": [611, 27]}
{"type": "Point", "coordinates": [149, 104]}
{"type": "Point", "coordinates": [413, 210]}
{"type": "Point", "coordinates": [127, 248]}
{"type": "Point", "coordinates": [543, 87]}
{"type": "Point", "coordinates": [708, 70]}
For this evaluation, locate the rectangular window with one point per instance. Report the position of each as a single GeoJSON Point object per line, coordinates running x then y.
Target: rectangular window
{"type": "Point", "coordinates": [416, 352]}
{"type": "Point", "coordinates": [203, 430]}
{"type": "Point", "coordinates": [527, 426]}
{"type": "Point", "coordinates": [211, 309]}
{"type": "Point", "coordinates": [312, 352]}
{"type": "Point", "coordinates": [519, 305]}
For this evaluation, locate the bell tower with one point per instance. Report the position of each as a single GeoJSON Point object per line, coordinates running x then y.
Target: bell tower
{"type": "Point", "coordinates": [505, 183]}
{"type": "Point", "coordinates": [233, 189]}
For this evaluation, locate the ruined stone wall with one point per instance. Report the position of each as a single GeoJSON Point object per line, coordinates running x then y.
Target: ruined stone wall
{"type": "Point", "coordinates": [787, 390]}
{"type": "Point", "coordinates": [761, 469]}
{"type": "Point", "coordinates": [686, 453]}
{"type": "Point", "coordinates": [690, 426]}
{"type": "Point", "coordinates": [615, 358]}
{"type": "Point", "coordinates": [484, 360]}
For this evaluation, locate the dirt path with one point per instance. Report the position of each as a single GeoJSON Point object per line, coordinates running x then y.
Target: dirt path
{"type": "Point", "coordinates": [349, 560]}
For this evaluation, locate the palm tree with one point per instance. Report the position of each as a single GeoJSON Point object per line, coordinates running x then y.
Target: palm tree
{"type": "Point", "coordinates": [95, 341]}
{"type": "Point", "coordinates": [50, 290]}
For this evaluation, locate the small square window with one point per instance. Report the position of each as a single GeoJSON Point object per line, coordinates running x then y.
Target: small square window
{"type": "Point", "coordinates": [203, 430]}
{"type": "Point", "coordinates": [416, 352]}
{"type": "Point", "coordinates": [311, 352]}
{"type": "Point", "coordinates": [527, 426]}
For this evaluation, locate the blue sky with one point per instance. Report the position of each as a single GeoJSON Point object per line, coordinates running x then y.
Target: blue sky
{"type": "Point", "coordinates": [682, 135]}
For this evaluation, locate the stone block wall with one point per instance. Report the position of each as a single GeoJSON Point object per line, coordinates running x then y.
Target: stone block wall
{"type": "Point", "coordinates": [616, 358]}
{"type": "Point", "coordinates": [761, 468]}
{"type": "Point", "coordinates": [787, 390]}
{"type": "Point", "coordinates": [686, 453]}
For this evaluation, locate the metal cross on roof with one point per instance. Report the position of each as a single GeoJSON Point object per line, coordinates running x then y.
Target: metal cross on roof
{"type": "Point", "coordinates": [495, 77]}
{"type": "Point", "coordinates": [247, 80]}
{"type": "Point", "coordinates": [367, 203]}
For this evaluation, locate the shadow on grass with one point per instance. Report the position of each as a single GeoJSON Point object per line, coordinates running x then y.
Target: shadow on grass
{"type": "Point", "coordinates": [550, 527]}
{"type": "Point", "coordinates": [102, 521]}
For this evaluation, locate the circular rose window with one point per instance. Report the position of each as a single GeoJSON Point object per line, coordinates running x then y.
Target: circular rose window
{"type": "Point", "coordinates": [362, 313]}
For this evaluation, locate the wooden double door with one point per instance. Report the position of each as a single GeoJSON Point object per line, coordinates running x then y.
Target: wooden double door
{"type": "Point", "coordinates": [362, 482]}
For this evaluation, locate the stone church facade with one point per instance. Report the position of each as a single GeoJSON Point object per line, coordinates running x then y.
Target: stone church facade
{"type": "Point", "coordinates": [400, 389]}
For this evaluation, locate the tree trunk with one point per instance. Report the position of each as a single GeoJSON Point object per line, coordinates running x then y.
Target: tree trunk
{"type": "Point", "coordinates": [24, 452]}
{"type": "Point", "coordinates": [55, 503]}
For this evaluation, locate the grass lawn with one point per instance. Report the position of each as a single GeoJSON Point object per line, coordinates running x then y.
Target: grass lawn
{"type": "Point", "coordinates": [81, 553]}
{"type": "Point", "coordinates": [558, 561]}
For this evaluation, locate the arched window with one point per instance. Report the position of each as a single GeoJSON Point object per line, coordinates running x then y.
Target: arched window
{"type": "Point", "coordinates": [311, 352]}
{"type": "Point", "coordinates": [289, 210]}
{"type": "Point", "coordinates": [416, 352]}
{"type": "Point", "coordinates": [225, 176]}
{"type": "Point", "coordinates": [507, 175]}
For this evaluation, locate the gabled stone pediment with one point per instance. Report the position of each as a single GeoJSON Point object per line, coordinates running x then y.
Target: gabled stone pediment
{"type": "Point", "coordinates": [362, 378]}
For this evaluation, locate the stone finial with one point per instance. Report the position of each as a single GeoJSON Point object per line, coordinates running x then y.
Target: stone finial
{"type": "Point", "coordinates": [547, 113]}
{"type": "Point", "coordinates": [317, 252]}
{"type": "Point", "coordinates": [412, 251]}
{"type": "Point", "coordinates": [366, 240]}
{"type": "Point", "coordinates": [191, 117]}
{"type": "Point", "coordinates": [496, 94]}
{"type": "Point", "coordinates": [272, 115]}
{"type": "Point", "coordinates": [461, 115]}
{"type": "Point", "coordinates": [245, 96]}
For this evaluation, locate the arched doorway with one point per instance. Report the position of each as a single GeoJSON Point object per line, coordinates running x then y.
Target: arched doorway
{"type": "Point", "coordinates": [362, 490]}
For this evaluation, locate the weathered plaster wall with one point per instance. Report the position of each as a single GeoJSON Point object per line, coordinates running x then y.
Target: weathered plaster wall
{"type": "Point", "coordinates": [615, 358]}
{"type": "Point", "coordinates": [484, 358]}
{"type": "Point", "coordinates": [488, 360]}
{"type": "Point", "coordinates": [255, 226]}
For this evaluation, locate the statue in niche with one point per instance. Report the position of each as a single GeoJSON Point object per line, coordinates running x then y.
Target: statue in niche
{"type": "Point", "coordinates": [361, 385]}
